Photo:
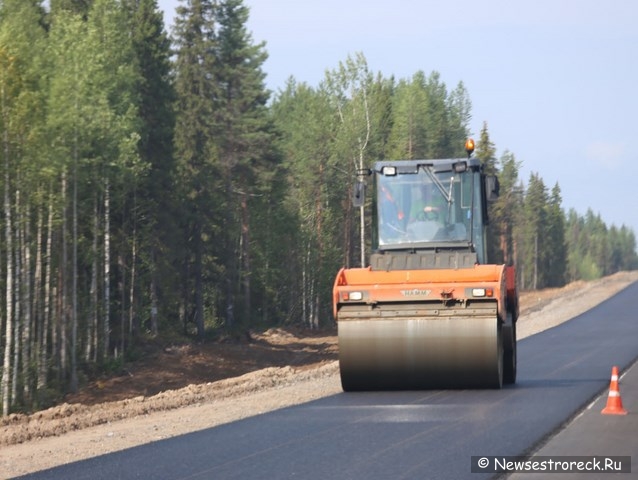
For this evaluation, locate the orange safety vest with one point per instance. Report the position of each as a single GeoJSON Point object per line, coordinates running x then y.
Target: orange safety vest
{"type": "Point", "coordinates": [388, 196]}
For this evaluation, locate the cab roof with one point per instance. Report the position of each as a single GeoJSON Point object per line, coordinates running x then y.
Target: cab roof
{"type": "Point", "coordinates": [439, 165]}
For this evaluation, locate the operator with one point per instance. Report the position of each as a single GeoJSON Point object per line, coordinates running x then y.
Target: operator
{"type": "Point", "coordinates": [429, 208]}
{"type": "Point", "coordinates": [424, 212]}
{"type": "Point", "coordinates": [391, 216]}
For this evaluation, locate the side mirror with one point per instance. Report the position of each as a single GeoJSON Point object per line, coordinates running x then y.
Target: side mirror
{"type": "Point", "coordinates": [359, 194]}
{"type": "Point", "coordinates": [492, 187]}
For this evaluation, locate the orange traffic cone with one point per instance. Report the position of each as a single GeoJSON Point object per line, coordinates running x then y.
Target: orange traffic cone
{"type": "Point", "coordinates": [614, 402]}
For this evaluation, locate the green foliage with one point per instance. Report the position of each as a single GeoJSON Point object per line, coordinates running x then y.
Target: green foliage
{"type": "Point", "coordinates": [113, 365]}
{"type": "Point", "coordinates": [594, 250]}
{"type": "Point", "coordinates": [408, 136]}
{"type": "Point", "coordinates": [76, 7]}
{"type": "Point", "coordinates": [499, 226]}
{"type": "Point", "coordinates": [556, 259]}
{"type": "Point", "coordinates": [225, 152]}
{"type": "Point", "coordinates": [312, 168]}
{"type": "Point", "coordinates": [198, 171]}
{"type": "Point", "coordinates": [486, 151]}
{"type": "Point", "coordinates": [152, 189]}
{"type": "Point", "coordinates": [153, 195]}
{"type": "Point", "coordinates": [530, 229]}
{"type": "Point", "coordinates": [428, 121]}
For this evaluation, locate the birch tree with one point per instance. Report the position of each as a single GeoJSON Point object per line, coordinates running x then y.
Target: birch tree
{"type": "Point", "coordinates": [21, 114]}
{"type": "Point", "coordinates": [348, 88]}
{"type": "Point", "coordinates": [305, 118]}
{"type": "Point", "coordinates": [92, 118]}
{"type": "Point", "coordinates": [8, 81]}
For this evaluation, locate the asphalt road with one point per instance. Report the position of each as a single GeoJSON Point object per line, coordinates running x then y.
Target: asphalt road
{"type": "Point", "coordinates": [400, 435]}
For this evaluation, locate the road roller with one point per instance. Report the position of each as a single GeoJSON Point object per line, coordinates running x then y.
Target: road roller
{"type": "Point", "coordinates": [429, 311]}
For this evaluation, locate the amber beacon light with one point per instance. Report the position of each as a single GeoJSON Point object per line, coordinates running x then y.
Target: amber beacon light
{"type": "Point", "coordinates": [469, 146]}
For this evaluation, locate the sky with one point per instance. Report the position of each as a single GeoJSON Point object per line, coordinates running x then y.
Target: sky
{"type": "Point", "coordinates": [556, 81]}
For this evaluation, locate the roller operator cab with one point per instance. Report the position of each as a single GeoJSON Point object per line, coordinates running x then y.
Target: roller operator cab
{"type": "Point", "coordinates": [429, 311]}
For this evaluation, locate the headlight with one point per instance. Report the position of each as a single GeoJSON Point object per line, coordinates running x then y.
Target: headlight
{"type": "Point", "coordinates": [482, 292]}
{"type": "Point", "coordinates": [352, 296]}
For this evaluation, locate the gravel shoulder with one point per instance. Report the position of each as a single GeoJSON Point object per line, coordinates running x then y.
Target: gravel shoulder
{"type": "Point", "coordinates": [72, 432]}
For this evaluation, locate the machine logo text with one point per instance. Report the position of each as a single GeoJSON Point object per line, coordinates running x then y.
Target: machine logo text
{"type": "Point", "coordinates": [416, 292]}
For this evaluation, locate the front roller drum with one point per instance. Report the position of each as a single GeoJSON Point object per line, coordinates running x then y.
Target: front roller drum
{"type": "Point", "coordinates": [420, 353]}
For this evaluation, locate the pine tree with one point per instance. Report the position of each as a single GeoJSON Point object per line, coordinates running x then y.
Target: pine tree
{"type": "Point", "coordinates": [556, 255]}
{"type": "Point", "coordinates": [439, 138]}
{"type": "Point", "coordinates": [624, 255]}
{"type": "Point", "coordinates": [534, 230]}
{"type": "Point", "coordinates": [507, 209]}
{"type": "Point", "coordinates": [152, 198]}
{"type": "Point", "coordinates": [459, 108]}
{"type": "Point", "coordinates": [381, 116]}
{"type": "Point", "coordinates": [245, 145]}
{"type": "Point", "coordinates": [78, 7]}
{"type": "Point", "coordinates": [486, 153]}
{"type": "Point", "coordinates": [200, 183]}
{"type": "Point", "coordinates": [408, 136]}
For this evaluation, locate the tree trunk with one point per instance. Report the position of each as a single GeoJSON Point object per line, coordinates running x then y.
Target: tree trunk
{"type": "Point", "coordinates": [131, 295]}
{"type": "Point", "coordinates": [43, 358]}
{"type": "Point", "coordinates": [317, 271]}
{"type": "Point", "coordinates": [6, 370]}
{"type": "Point", "coordinates": [535, 280]}
{"type": "Point", "coordinates": [18, 300]}
{"type": "Point", "coordinates": [27, 330]}
{"type": "Point", "coordinates": [245, 254]}
{"type": "Point", "coordinates": [107, 270]}
{"type": "Point", "coordinates": [347, 234]}
{"type": "Point", "coordinates": [62, 289]}
{"type": "Point", "coordinates": [232, 268]}
{"type": "Point", "coordinates": [305, 290]}
{"type": "Point", "coordinates": [90, 353]}
{"type": "Point", "coordinates": [154, 323]}
{"type": "Point", "coordinates": [74, 277]}
{"type": "Point", "coordinates": [37, 310]}
{"type": "Point", "coordinates": [122, 288]}
{"type": "Point", "coordinates": [199, 294]}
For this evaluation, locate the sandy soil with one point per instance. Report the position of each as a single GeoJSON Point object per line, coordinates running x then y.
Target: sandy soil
{"type": "Point", "coordinates": [185, 388]}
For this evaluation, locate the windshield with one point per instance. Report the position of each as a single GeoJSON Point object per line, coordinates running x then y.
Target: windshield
{"type": "Point", "coordinates": [428, 209]}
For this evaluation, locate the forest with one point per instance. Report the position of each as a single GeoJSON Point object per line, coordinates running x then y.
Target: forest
{"type": "Point", "coordinates": [153, 186]}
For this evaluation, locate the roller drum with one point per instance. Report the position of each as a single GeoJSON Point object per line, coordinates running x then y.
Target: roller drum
{"type": "Point", "coordinates": [420, 353]}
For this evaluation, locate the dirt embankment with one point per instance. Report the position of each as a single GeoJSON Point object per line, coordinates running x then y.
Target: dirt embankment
{"type": "Point", "coordinates": [184, 388]}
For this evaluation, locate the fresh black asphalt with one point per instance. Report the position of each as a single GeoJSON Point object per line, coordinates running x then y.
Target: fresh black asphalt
{"type": "Point", "coordinates": [400, 435]}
